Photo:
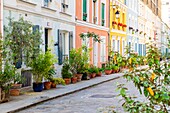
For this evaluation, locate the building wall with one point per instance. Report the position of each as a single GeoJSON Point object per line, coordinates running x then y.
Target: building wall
{"type": "Point", "coordinates": [51, 17]}
{"type": "Point", "coordinates": [132, 21]}
{"type": "Point", "coordinates": [118, 32]}
{"type": "Point", "coordinates": [83, 26]}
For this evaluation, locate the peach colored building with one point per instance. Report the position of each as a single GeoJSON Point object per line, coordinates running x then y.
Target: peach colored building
{"type": "Point", "coordinates": [93, 16]}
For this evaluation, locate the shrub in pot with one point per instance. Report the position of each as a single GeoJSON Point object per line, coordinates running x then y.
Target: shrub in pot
{"type": "Point", "coordinates": [17, 84]}
{"type": "Point", "coordinates": [93, 71]}
{"type": "Point", "coordinates": [40, 69]}
{"type": "Point", "coordinates": [100, 72]}
{"type": "Point", "coordinates": [108, 69]}
{"type": "Point", "coordinates": [6, 78]}
{"type": "Point", "coordinates": [56, 81]}
{"type": "Point", "coordinates": [66, 73]}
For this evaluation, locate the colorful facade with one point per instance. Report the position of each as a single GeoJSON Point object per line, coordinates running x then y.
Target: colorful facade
{"type": "Point", "coordinates": [132, 23]}
{"type": "Point", "coordinates": [55, 18]}
{"type": "Point", "coordinates": [118, 26]}
{"type": "Point", "coordinates": [93, 16]}
{"type": "Point", "coordinates": [1, 17]}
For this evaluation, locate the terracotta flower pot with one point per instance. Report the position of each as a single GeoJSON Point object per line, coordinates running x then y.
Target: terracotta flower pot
{"type": "Point", "coordinates": [113, 71]}
{"type": "Point", "coordinates": [79, 77]}
{"type": "Point", "coordinates": [53, 85]}
{"type": "Point", "coordinates": [67, 80]}
{"type": "Point", "coordinates": [107, 72]}
{"type": "Point", "coordinates": [99, 74]}
{"type": "Point", "coordinates": [93, 75]}
{"type": "Point", "coordinates": [14, 92]}
{"type": "Point", "coordinates": [74, 80]}
{"type": "Point", "coordinates": [47, 85]}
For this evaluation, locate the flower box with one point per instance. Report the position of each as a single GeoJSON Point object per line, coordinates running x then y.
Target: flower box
{"type": "Point", "coordinates": [120, 24]}
{"type": "Point", "coordinates": [124, 25]}
{"type": "Point", "coordinates": [114, 22]}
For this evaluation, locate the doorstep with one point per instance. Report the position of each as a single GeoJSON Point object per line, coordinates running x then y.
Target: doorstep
{"type": "Point", "coordinates": [31, 98]}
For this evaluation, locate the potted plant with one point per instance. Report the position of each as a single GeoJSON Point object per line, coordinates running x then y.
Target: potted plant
{"type": "Point", "coordinates": [6, 78]}
{"type": "Point", "coordinates": [93, 71]}
{"type": "Point", "coordinates": [17, 84]}
{"type": "Point", "coordinates": [56, 81]}
{"type": "Point", "coordinates": [100, 72]}
{"type": "Point", "coordinates": [66, 73]}
{"type": "Point", "coordinates": [108, 69]}
{"type": "Point", "coordinates": [40, 68]}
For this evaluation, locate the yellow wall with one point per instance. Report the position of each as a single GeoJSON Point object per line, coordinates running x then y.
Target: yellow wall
{"type": "Point", "coordinates": [115, 28]}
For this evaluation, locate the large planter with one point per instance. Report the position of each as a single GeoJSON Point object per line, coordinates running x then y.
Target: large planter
{"type": "Point", "coordinates": [14, 92]}
{"type": "Point", "coordinates": [108, 72]}
{"type": "Point", "coordinates": [4, 96]}
{"type": "Point", "coordinates": [38, 87]}
{"type": "Point", "coordinates": [79, 77]}
{"type": "Point", "coordinates": [74, 80]}
{"type": "Point", "coordinates": [47, 85]}
{"type": "Point", "coordinates": [15, 89]}
{"type": "Point", "coordinates": [67, 80]}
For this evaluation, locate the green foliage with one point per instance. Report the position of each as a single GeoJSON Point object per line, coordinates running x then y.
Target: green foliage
{"type": "Point", "coordinates": [66, 72]}
{"type": "Point", "coordinates": [153, 82]}
{"type": "Point", "coordinates": [92, 35]}
{"type": "Point", "coordinates": [58, 81]}
{"type": "Point", "coordinates": [21, 41]}
{"type": "Point", "coordinates": [108, 66]}
{"type": "Point", "coordinates": [41, 66]}
{"type": "Point", "coordinates": [93, 69]}
{"type": "Point", "coordinates": [7, 76]}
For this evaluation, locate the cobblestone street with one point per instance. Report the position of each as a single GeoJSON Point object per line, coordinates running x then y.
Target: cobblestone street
{"type": "Point", "coordinates": [92, 100]}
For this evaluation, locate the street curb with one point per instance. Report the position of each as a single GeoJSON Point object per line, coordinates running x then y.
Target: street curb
{"type": "Point", "coordinates": [61, 95]}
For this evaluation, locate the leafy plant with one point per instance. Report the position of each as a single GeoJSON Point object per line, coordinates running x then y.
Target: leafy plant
{"type": "Point", "coordinates": [153, 82]}
{"type": "Point", "coordinates": [93, 69]}
{"type": "Point", "coordinates": [108, 67]}
{"type": "Point", "coordinates": [58, 81]}
{"type": "Point", "coordinates": [21, 43]}
{"type": "Point", "coordinates": [41, 65]}
{"type": "Point", "coordinates": [66, 72]}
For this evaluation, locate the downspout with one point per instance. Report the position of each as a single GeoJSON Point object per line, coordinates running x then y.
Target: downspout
{"type": "Point", "coordinates": [109, 33]}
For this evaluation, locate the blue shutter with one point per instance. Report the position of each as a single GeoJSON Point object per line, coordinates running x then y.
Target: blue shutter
{"type": "Point", "coordinates": [60, 53]}
{"type": "Point", "coordinates": [70, 40]}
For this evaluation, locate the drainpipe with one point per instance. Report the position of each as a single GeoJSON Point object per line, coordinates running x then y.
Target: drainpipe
{"type": "Point", "coordinates": [109, 32]}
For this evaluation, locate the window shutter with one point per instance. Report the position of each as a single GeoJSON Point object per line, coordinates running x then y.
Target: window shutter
{"type": "Point", "coordinates": [84, 10]}
{"type": "Point", "coordinates": [70, 40]}
{"type": "Point", "coordinates": [103, 9]}
{"type": "Point", "coordinates": [35, 28]}
{"type": "Point", "coordinates": [60, 54]}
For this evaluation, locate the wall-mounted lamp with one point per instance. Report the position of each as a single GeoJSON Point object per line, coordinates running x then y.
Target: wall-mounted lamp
{"type": "Point", "coordinates": [117, 14]}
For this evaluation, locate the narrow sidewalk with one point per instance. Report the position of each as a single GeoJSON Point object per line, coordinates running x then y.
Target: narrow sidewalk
{"type": "Point", "coordinates": [32, 98]}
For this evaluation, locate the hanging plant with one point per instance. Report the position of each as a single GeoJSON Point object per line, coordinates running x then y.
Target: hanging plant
{"type": "Point", "coordinates": [120, 24]}
{"type": "Point", "coordinates": [140, 32]}
{"type": "Point", "coordinates": [130, 28]}
{"type": "Point", "coordinates": [124, 25]}
{"type": "Point", "coordinates": [114, 22]}
{"type": "Point", "coordinates": [92, 35]}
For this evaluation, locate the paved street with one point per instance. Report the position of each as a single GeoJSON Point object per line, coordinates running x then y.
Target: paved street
{"type": "Point", "coordinates": [92, 100]}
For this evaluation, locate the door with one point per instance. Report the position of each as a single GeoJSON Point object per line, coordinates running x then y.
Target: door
{"type": "Point", "coordinates": [95, 53]}
{"type": "Point", "coordinates": [46, 39]}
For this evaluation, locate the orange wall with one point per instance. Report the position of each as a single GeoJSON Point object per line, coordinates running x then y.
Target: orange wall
{"type": "Point", "coordinates": [80, 29]}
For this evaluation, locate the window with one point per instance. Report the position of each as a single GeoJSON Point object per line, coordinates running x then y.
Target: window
{"type": "Point", "coordinates": [85, 10]}
{"type": "Point", "coordinates": [47, 2]}
{"type": "Point", "coordinates": [136, 47]}
{"type": "Point", "coordinates": [118, 46]}
{"type": "Point", "coordinates": [103, 14]}
{"type": "Point", "coordinates": [64, 6]}
{"type": "Point", "coordinates": [103, 49]}
{"type": "Point", "coordinates": [113, 45]}
{"type": "Point", "coordinates": [64, 45]}
{"type": "Point", "coordinates": [94, 11]}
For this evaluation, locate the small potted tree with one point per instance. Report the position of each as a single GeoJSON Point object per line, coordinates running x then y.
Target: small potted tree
{"type": "Point", "coordinates": [56, 81]}
{"type": "Point", "coordinates": [66, 73]}
{"type": "Point", "coordinates": [40, 68]}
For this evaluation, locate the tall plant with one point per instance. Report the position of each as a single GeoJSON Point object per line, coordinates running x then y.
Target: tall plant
{"type": "Point", "coordinates": [153, 82]}
{"type": "Point", "coordinates": [21, 41]}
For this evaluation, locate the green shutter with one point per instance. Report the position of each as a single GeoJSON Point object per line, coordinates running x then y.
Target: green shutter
{"type": "Point", "coordinates": [84, 10]}
{"type": "Point", "coordinates": [103, 9]}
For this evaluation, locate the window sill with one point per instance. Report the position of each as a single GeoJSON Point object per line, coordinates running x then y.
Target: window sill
{"type": "Point", "coordinates": [29, 2]}
{"type": "Point", "coordinates": [48, 8]}
{"type": "Point", "coordinates": [65, 13]}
